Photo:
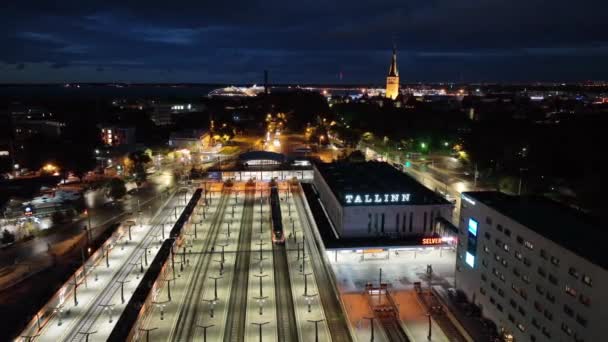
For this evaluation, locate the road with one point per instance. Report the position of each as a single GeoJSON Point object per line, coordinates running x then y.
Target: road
{"type": "Point", "coordinates": [101, 211]}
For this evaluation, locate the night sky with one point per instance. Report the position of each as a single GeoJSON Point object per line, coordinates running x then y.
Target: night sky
{"type": "Point", "coordinates": [233, 41]}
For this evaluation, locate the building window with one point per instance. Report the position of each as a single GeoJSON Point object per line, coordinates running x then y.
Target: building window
{"type": "Point", "coordinates": [506, 247]}
{"type": "Point", "coordinates": [498, 227]}
{"type": "Point", "coordinates": [573, 272]}
{"type": "Point", "coordinates": [543, 254]}
{"type": "Point", "coordinates": [568, 310]}
{"type": "Point", "coordinates": [542, 272]}
{"type": "Point", "coordinates": [411, 220]}
{"type": "Point", "coordinates": [521, 327]}
{"type": "Point", "coordinates": [570, 290]}
{"type": "Point", "coordinates": [581, 320]}
{"type": "Point", "coordinates": [521, 311]}
{"type": "Point", "coordinates": [538, 306]}
{"type": "Point", "coordinates": [403, 222]}
{"type": "Point", "coordinates": [499, 307]}
{"type": "Point", "coordinates": [369, 223]}
{"type": "Point", "coordinates": [540, 289]}
{"type": "Point", "coordinates": [527, 262]}
{"type": "Point", "coordinates": [546, 332]}
{"type": "Point", "coordinates": [548, 314]}
{"type": "Point", "coordinates": [516, 271]}
{"type": "Point", "coordinates": [553, 279]}
{"type": "Point", "coordinates": [483, 277]}
{"type": "Point", "coordinates": [550, 297]}
{"type": "Point", "coordinates": [584, 300]}
{"type": "Point", "coordinates": [525, 278]}
{"type": "Point", "coordinates": [513, 303]}
{"type": "Point", "coordinates": [511, 318]}
{"type": "Point", "coordinates": [382, 225]}
{"type": "Point", "coordinates": [397, 223]}
{"type": "Point", "coordinates": [501, 292]}
{"type": "Point", "coordinates": [486, 249]}
{"type": "Point", "coordinates": [528, 244]}
{"type": "Point", "coordinates": [518, 255]}
{"type": "Point", "coordinates": [519, 240]}
{"type": "Point", "coordinates": [535, 323]}
{"type": "Point", "coordinates": [566, 329]}
{"type": "Point", "coordinates": [555, 261]}
{"type": "Point", "coordinates": [487, 235]}
{"type": "Point", "coordinates": [507, 232]}
{"type": "Point", "coordinates": [488, 220]}
{"type": "Point", "coordinates": [424, 223]}
{"type": "Point", "coordinates": [587, 280]}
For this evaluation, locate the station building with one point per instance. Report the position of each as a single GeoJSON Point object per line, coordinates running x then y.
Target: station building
{"type": "Point", "coordinates": [373, 199]}
{"type": "Point", "coordinates": [535, 267]}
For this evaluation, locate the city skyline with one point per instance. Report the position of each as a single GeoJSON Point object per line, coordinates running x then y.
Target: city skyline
{"type": "Point", "coordinates": [346, 43]}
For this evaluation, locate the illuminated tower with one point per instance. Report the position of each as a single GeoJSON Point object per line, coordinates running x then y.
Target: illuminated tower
{"type": "Point", "coordinates": [392, 80]}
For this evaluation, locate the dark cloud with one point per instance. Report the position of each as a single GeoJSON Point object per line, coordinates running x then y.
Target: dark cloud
{"type": "Point", "coordinates": [233, 41]}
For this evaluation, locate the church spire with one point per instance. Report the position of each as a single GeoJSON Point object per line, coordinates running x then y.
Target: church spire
{"type": "Point", "coordinates": [393, 69]}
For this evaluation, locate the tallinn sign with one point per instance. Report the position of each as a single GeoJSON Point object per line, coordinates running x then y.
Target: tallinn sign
{"type": "Point", "coordinates": [376, 198]}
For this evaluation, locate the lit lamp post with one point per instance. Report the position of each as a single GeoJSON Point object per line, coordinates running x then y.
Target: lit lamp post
{"type": "Point", "coordinates": [260, 328]}
{"type": "Point", "coordinates": [309, 299]}
{"type": "Point", "coordinates": [108, 309]}
{"type": "Point", "coordinates": [87, 334]}
{"type": "Point", "coordinates": [205, 327]}
{"type": "Point", "coordinates": [122, 289]}
{"type": "Point", "coordinates": [316, 322]}
{"type": "Point", "coordinates": [261, 301]}
{"type": "Point", "coordinates": [215, 279]}
{"type": "Point", "coordinates": [212, 303]}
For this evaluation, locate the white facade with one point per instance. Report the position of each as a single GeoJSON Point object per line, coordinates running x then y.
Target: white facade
{"type": "Point", "coordinates": [533, 288]}
{"type": "Point", "coordinates": [386, 214]}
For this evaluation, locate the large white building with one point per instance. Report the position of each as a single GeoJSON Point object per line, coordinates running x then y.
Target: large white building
{"type": "Point", "coordinates": [535, 267]}
{"type": "Point", "coordinates": [373, 199]}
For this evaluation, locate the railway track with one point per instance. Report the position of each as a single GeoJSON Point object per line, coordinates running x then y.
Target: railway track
{"type": "Point", "coordinates": [336, 320]}
{"type": "Point", "coordinates": [94, 311]}
{"type": "Point", "coordinates": [287, 328]}
{"type": "Point", "coordinates": [392, 329]}
{"type": "Point", "coordinates": [234, 330]}
{"type": "Point", "coordinates": [183, 329]}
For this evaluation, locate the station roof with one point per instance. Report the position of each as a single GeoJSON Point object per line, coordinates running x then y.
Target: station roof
{"type": "Point", "coordinates": [262, 155]}
{"type": "Point", "coordinates": [374, 177]}
{"type": "Point", "coordinates": [565, 226]}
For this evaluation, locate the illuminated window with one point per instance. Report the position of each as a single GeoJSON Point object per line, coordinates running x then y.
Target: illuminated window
{"type": "Point", "coordinates": [587, 280]}
{"type": "Point", "coordinates": [470, 259]}
{"type": "Point", "coordinates": [585, 300]}
{"type": "Point", "coordinates": [571, 291]}
{"type": "Point", "coordinates": [555, 261]}
{"type": "Point", "coordinates": [473, 226]}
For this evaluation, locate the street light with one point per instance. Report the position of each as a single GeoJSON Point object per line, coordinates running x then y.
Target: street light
{"type": "Point", "coordinates": [260, 327]}
{"type": "Point", "coordinates": [205, 327]}
{"type": "Point", "coordinates": [316, 322]}
{"type": "Point", "coordinates": [261, 301]}
{"type": "Point", "coordinates": [211, 303]}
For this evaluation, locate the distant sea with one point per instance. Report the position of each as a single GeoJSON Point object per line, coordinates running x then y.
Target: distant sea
{"type": "Point", "coordinates": [83, 91]}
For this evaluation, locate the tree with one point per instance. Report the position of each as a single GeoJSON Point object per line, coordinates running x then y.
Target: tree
{"type": "Point", "coordinates": [139, 160]}
{"type": "Point", "coordinates": [57, 217]}
{"type": "Point", "coordinates": [116, 188]}
{"type": "Point", "coordinates": [7, 237]}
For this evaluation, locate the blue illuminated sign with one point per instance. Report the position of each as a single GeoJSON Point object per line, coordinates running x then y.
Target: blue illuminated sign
{"type": "Point", "coordinates": [469, 259]}
{"type": "Point", "coordinates": [473, 227]}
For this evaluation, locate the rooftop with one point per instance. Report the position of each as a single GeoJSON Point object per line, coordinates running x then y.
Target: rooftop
{"type": "Point", "coordinates": [372, 177]}
{"type": "Point", "coordinates": [554, 221]}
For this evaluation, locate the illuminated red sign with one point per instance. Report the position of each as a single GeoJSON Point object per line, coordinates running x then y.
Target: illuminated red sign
{"type": "Point", "coordinates": [432, 241]}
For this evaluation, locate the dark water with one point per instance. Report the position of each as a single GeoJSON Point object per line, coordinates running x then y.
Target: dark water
{"type": "Point", "coordinates": [26, 92]}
